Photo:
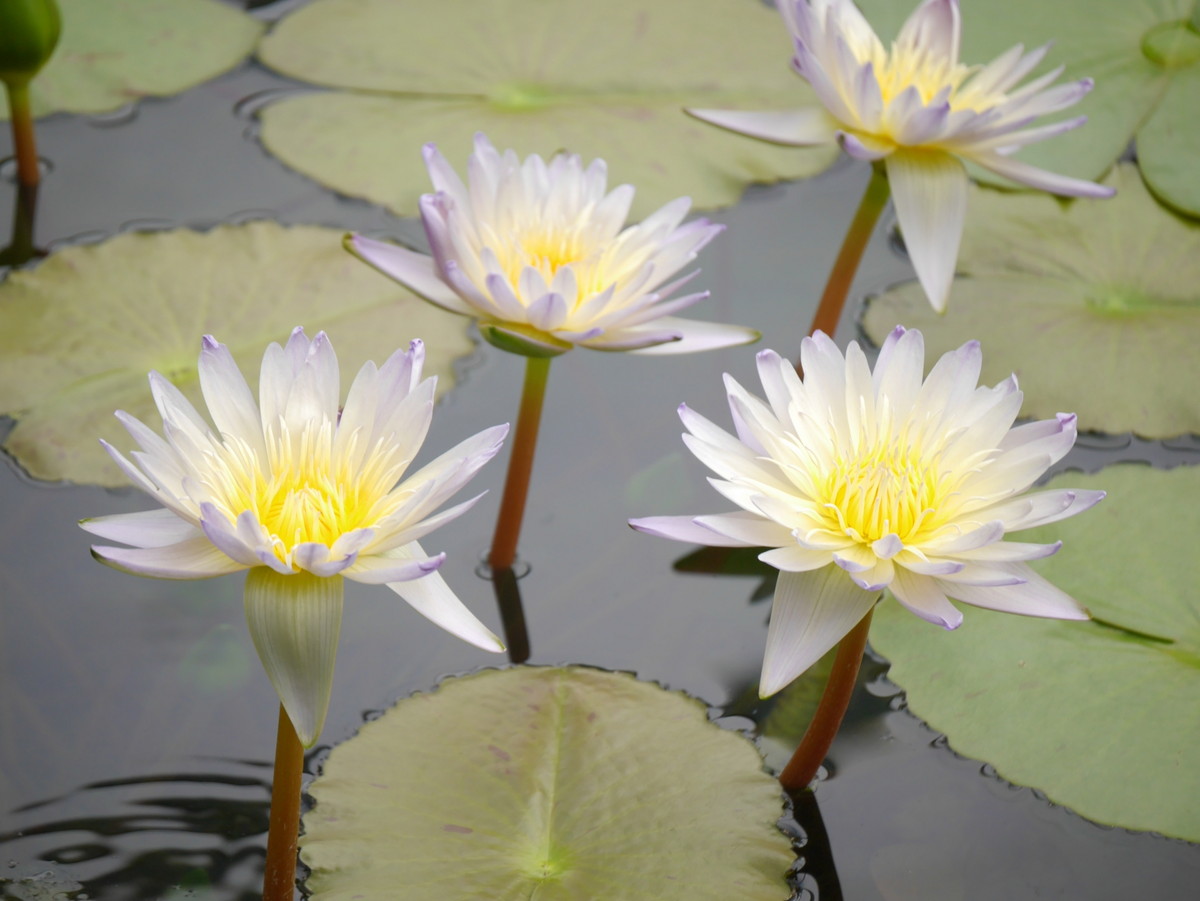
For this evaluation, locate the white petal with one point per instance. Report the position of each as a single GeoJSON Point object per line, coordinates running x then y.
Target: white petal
{"type": "Point", "coordinates": [195, 558]}
{"type": "Point", "coordinates": [229, 538]}
{"type": "Point", "coordinates": [932, 30]}
{"type": "Point", "coordinates": [381, 570]}
{"type": "Point", "coordinates": [432, 598]}
{"type": "Point", "coordinates": [228, 397]}
{"type": "Point", "coordinates": [930, 193]}
{"type": "Point", "coordinates": [413, 270]}
{"type": "Point", "coordinates": [1043, 507]}
{"type": "Point", "coordinates": [812, 612]}
{"type": "Point", "coordinates": [795, 559]}
{"type": "Point", "coordinates": [801, 127]}
{"type": "Point", "coordinates": [922, 596]}
{"type": "Point", "coordinates": [751, 528]}
{"type": "Point", "coordinates": [697, 336]}
{"type": "Point", "coordinates": [150, 528]}
{"type": "Point", "coordinates": [686, 528]}
{"type": "Point", "coordinates": [294, 622]}
{"type": "Point", "coordinates": [1025, 174]}
{"type": "Point", "coordinates": [1032, 597]}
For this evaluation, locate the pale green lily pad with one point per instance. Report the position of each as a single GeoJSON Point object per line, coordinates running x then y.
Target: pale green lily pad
{"type": "Point", "coordinates": [113, 52]}
{"type": "Point", "coordinates": [1145, 60]}
{"type": "Point", "coordinates": [1101, 715]}
{"type": "Point", "coordinates": [80, 332]}
{"type": "Point", "coordinates": [1095, 305]}
{"type": "Point", "coordinates": [548, 783]}
{"type": "Point", "coordinates": [604, 80]}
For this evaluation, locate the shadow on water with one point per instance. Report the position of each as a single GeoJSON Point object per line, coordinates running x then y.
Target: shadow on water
{"type": "Point", "coordinates": [816, 877]}
{"type": "Point", "coordinates": [512, 614]}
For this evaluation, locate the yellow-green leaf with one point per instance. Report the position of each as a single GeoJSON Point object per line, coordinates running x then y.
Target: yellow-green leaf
{"type": "Point", "coordinates": [1094, 304]}
{"type": "Point", "coordinates": [113, 52]}
{"type": "Point", "coordinates": [80, 332]}
{"type": "Point", "coordinates": [562, 784]}
{"type": "Point", "coordinates": [605, 80]}
{"type": "Point", "coordinates": [1098, 715]}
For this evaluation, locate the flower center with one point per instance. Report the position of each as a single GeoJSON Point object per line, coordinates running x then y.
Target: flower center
{"type": "Point", "coordinates": [549, 251]}
{"type": "Point", "coordinates": [302, 493]}
{"type": "Point", "coordinates": [886, 490]}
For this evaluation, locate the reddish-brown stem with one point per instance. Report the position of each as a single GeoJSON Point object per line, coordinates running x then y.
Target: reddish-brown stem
{"type": "Point", "coordinates": [814, 746]}
{"type": "Point", "coordinates": [833, 299]}
{"type": "Point", "coordinates": [520, 465]}
{"type": "Point", "coordinates": [24, 145]}
{"type": "Point", "coordinates": [279, 880]}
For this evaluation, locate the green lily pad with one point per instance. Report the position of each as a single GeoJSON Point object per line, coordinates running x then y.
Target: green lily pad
{"type": "Point", "coordinates": [603, 80]}
{"type": "Point", "coordinates": [1144, 56]}
{"type": "Point", "coordinates": [548, 783]}
{"type": "Point", "coordinates": [1100, 715]}
{"type": "Point", "coordinates": [80, 332]}
{"type": "Point", "coordinates": [115, 51]}
{"type": "Point", "coordinates": [1095, 305]}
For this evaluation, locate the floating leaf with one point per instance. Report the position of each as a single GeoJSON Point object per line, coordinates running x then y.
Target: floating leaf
{"type": "Point", "coordinates": [79, 333]}
{"type": "Point", "coordinates": [113, 52]}
{"type": "Point", "coordinates": [1094, 304]}
{"type": "Point", "coordinates": [1145, 58]}
{"type": "Point", "coordinates": [554, 783]}
{"type": "Point", "coordinates": [1098, 715]}
{"type": "Point", "coordinates": [603, 80]}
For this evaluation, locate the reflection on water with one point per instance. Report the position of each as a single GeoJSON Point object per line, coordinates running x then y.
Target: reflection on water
{"type": "Point", "coordinates": [191, 835]}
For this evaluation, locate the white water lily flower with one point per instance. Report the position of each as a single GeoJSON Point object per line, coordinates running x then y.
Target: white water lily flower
{"type": "Point", "coordinates": [859, 481]}
{"type": "Point", "coordinates": [917, 108]}
{"type": "Point", "coordinates": [537, 253]}
{"type": "Point", "coordinates": [302, 496]}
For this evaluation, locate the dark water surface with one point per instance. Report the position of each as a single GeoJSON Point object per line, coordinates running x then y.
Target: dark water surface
{"type": "Point", "coordinates": [136, 726]}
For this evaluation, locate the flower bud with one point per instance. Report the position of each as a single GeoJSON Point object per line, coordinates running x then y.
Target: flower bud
{"type": "Point", "coordinates": [29, 31]}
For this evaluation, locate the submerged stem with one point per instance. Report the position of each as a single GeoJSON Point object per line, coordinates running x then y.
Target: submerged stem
{"type": "Point", "coordinates": [279, 880]}
{"type": "Point", "coordinates": [24, 145]}
{"type": "Point", "coordinates": [833, 299]}
{"type": "Point", "coordinates": [520, 465]}
{"type": "Point", "coordinates": [802, 768]}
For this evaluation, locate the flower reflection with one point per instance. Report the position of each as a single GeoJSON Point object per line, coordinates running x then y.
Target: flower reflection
{"type": "Point", "coordinates": [858, 481]}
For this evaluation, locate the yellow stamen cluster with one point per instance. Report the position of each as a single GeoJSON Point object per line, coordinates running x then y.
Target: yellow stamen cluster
{"type": "Point", "coordinates": [885, 489]}
{"type": "Point", "coordinates": [301, 493]}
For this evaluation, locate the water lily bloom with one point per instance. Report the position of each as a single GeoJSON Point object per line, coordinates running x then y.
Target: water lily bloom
{"type": "Point", "coordinates": [301, 495]}
{"type": "Point", "coordinates": [857, 481]}
{"type": "Point", "coordinates": [536, 252]}
{"type": "Point", "coordinates": [920, 111]}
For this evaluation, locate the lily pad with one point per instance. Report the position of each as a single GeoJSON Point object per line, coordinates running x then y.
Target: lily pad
{"type": "Point", "coordinates": [606, 80]}
{"type": "Point", "coordinates": [1145, 58]}
{"type": "Point", "coordinates": [549, 783]}
{"type": "Point", "coordinates": [1100, 715]}
{"type": "Point", "coordinates": [80, 332]}
{"type": "Point", "coordinates": [1094, 304]}
{"type": "Point", "coordinates": [113, 52]}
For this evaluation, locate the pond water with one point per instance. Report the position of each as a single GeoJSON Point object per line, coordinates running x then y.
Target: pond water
{"type": "Point", "coordinates": [136, 727]}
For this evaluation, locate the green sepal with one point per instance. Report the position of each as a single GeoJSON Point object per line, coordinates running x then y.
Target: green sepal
{"type": "Point", "coordinates": [294, 622]}
{"type": "Point", "coordinates": [523, 340]}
